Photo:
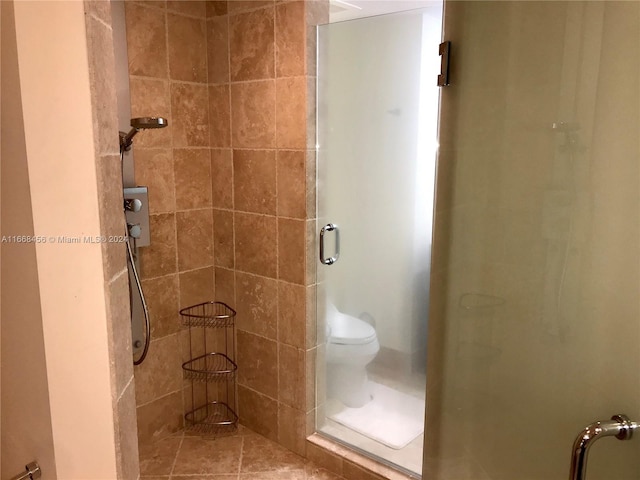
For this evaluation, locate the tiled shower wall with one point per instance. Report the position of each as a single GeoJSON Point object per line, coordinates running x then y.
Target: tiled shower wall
{"type": "Point", "coordinates": [232, 198]}
{"type": "Point", "coordinates": [101, 64]}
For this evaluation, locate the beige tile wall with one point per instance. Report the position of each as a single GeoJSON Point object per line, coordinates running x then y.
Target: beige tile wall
{"type": "Point", "coordinates": [108, 173]}
{"type": "Point", "coordinates": [232, 198]}
{"type": "Point", "coordinates": [167, 52]}
{"type": "Point", "coordinates": [262, 171]}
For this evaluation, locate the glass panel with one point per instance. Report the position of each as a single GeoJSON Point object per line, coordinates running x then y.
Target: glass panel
{"type": "Point", "coordinates": [377, 129]}
{"type": "Point", "coordinates": [534, 322]}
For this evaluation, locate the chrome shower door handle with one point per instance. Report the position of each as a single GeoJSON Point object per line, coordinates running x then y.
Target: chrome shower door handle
{"type": "Point", "coordinates": [619, 426]}
{"type": "Point", "coordinates": [329, 227]}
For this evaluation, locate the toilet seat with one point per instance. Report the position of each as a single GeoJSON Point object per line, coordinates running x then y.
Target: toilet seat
{"type": "Point", "coordinates": [348, 330]}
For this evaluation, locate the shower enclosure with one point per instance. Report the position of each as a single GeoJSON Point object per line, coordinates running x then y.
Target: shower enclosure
{"type": "Point", "coordinates": [377, 130]}
{"type": "Point", "coordinates": [533, 322]}
{"type": "Point", "coordinates": [536, 265]}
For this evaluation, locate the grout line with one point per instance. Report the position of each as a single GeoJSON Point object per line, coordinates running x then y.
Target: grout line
{"type": "Point", "coordinates": [241, 455]}
{"type": "Point", "coordinates": [159, 398]}
{"type": "Point", "coordinates": [95, 17]}
{"type": "Point", "coordinates": [175, 459]}
{"type": "Point", "coordinates": [121, 394]}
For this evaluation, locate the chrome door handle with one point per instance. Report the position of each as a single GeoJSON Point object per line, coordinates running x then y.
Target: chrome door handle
{"type": "Point", "coordinates": [619, 426]}
{"type": "Point", "coordinates": [329, 227]}
{"type": "Point", "coordinates": [32, 472]}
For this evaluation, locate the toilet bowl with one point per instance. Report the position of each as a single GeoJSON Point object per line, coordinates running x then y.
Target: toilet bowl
{"type": "Point", "coordinates": [351, 345]}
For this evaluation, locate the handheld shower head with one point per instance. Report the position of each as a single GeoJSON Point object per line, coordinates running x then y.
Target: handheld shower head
{"type": "Point", "coordinates": [137, 124]}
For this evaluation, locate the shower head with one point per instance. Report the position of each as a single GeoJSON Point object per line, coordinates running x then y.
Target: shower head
{"type": "Point", "coordinates": [137, 124]}
{"type": "Point", "coordinates": [148, 122]}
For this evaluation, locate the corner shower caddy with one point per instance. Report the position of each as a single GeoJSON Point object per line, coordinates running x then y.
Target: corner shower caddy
{"type": "Point", "coordinates": [211, 368]}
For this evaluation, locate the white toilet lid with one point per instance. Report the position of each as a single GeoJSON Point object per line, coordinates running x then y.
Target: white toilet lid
{"type": "Point", "coordinates": [348, 330]}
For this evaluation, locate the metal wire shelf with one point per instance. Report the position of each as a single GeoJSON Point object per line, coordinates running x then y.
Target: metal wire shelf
{"type": "Point", "coordinates": [210, 367]}
{"type": "Point", "coordinates": [212, 418]}
{"type": "Point", "coordinates": [208, 314]}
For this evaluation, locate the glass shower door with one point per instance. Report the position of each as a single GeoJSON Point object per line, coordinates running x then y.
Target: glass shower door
{"type": "Point", "coordinates": [535, 315]}
{"type": "Point", "coordinates": [377, 130]}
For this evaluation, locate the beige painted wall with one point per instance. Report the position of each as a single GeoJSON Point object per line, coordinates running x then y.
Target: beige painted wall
{"type": "Point", "coordinates": [56, 103]}
{"type": "Point", "coordinates": [24, 376]}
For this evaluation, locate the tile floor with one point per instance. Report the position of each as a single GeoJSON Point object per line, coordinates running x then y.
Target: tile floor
{"type": "Point", "coordinates": [242, 456]}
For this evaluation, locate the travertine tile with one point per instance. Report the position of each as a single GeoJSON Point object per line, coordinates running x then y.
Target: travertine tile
{"type": "Point", "coordinates": [251, 45]}
{"type": "Point", "coordinates": [162, 4]}
{"type": "Point", "coordinates": [204, 477]}
{"type": "Point", "coordinates": [291, 374]}
{"type": "Point", "coordinates": [254, 181]}
{"type": "Point", "coordinates": [219, 116]}
{"type": "Point", "coordinates": [291, 250]}
{"type": "Point", "coordinates": [159, 258]}
{"type": "Point", "coordinates": [126, 435]}
{"type": "Point", "coordinates": [108, 173]}
{"type": "Point", "coordinates": [298, 474]}
{"type": "Point", "coordinates": [99, 8]}
{"type": "Point", "coordinates": [258, 412]}
{"type": "Point", "coordinates": [196, 287]}
{"type": "Point", "coordinates": [192, 172]}
{"type": "Point", "coordinates": [290, 39]}
{"type": "Point", "coordinates": [216, 8]}
{"type": "Point", "coordinates": [291, 112]}
{"type": "Point", "coordinates": [160, 373]}
{"type": "Point", "coordinates": [328, 460]}
{"type": "Point", "coordinates": [222, 178]}
{"type": "Point", "coordinates": [218, 49]}
{"type": "Point", "coordinates": [103, 85]}
{"type": "Point", "coordinates": [225, 287]}
{"type": "Point", "coordinates": [257, 363]}
{"type": "Point", "coordinates": [189, 106]}
{"type": "Point", "coordinates": [150, 98]}
{"type": "Point", "coordinates": [311, 169]}
{"type": "Point", "coordinates": [187, 46]}
{"type": "Point", "coordinates": [292, 178]}
{"type": "Point", "coordinates": [223, 238]}
{"type": "Point", "coordinates": [162, 300]}
{"type": "Point", "coordinates": [291, 314]}
{"type": "Point", "coordinates": [199, 456]}
{"type": "Point", "coordinates": [261, 455]}
{"type": "Point", "coordinates": [159, 419]}
{"type": "Point", "coordinates": [156, 457]}
{"type": "Point", "coordinates": [317, 473]}
{"type": "Point", "coordinates": [119, 314]}
{"type": "Point", "coordinates": [195, 239]}
{"type": "Point", "coordinates": [352, 471]}
{"type": "Point", "coordinates": [154, 169]}
{"type": "Point", "coordinates": [241, 5]}
{"type": "Point", "coordinates": [146, 40]}
{"type": "Point", "coordinates": [254, 244]}
{"type": "Point", "coordinates": [196, 8]}
{"type": "Point", "coordinates": [291, 429]}
{"type": "Point", "coordinates": [257, 304]}
{"type": "Point", "coordinates": [253, 110]}
{"type": "Point", "coordinates": [310, 373]}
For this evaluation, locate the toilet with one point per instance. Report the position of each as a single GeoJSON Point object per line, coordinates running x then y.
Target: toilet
{"type": "Point", "coordinates": [351, 345]}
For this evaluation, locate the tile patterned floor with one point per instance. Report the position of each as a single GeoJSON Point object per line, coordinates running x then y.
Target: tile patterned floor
{"type": "Point", "coordinates": [243, 456]}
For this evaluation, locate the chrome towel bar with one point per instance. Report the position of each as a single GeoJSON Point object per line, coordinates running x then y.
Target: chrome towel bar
{"type": "Point", "coordinates": [32, 472]}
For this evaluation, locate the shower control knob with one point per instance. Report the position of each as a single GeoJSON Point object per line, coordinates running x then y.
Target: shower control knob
{"type": "Point", "coordinates": [133, 204]}
{"type": "Point", "coordinates": [134, 230]}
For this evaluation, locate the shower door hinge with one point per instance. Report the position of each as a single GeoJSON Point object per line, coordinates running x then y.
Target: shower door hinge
{"type": "Point", "coordinates": [445, 52]}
